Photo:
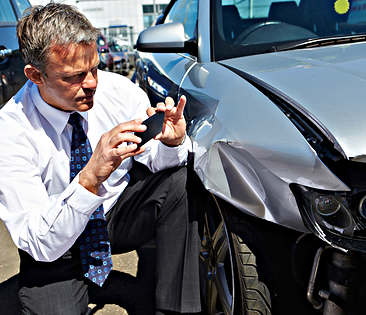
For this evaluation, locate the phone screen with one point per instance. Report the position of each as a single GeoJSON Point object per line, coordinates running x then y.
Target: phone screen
{"type": "Point", "coordinates": [154, 125]}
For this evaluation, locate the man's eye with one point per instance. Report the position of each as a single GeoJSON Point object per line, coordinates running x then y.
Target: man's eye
{"type": "Point", "coordinates": [76, 77]}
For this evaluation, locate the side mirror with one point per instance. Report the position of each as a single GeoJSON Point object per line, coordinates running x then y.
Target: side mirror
{"type": "Point", "coordinates": [165, 38]}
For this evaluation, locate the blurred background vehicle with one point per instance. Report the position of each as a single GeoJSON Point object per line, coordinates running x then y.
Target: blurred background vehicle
{"type": "Point", "coordinates": [106, 58]}
{"type": "Point", "coordinates": [128, 49]}
{"type": "Point", "coordinates": [121, 63]}
{"type": "Point", "coordinates": [11, 64]}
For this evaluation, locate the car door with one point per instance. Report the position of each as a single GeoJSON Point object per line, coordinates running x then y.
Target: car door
{"type": "Point", "coordinates": [11, 64]}
{"type": "Point", "coordinates": [160, 74]}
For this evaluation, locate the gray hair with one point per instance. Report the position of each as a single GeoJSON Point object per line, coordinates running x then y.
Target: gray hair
{"type": "Point", "coordinates": [42, 27]}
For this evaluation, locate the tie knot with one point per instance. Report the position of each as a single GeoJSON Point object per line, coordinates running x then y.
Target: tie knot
{"type": "Point", "coordinates": [78, 134]}
{"type": "Point", "coordinates": [75, 121]}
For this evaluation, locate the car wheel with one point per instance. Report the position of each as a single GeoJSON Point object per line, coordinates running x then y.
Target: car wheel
{"type": "Point", "coordinates": [254, 296]}
{"type": "Point", "coordinates": [229, 279]}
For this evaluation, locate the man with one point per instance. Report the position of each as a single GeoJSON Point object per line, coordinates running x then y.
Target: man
{"type": "Point", "coordinates": [70, 191]}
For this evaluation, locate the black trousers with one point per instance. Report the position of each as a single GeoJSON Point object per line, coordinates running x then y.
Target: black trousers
{"type": "Point", "coordinates": [153, 206]}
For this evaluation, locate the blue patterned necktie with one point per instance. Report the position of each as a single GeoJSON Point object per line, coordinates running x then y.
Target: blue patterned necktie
{"type": "Point", "coordinates": [95, 250]}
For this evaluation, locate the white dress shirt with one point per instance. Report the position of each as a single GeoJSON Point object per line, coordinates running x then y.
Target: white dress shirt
{"type": "Point", "coordinates": [41, 209]}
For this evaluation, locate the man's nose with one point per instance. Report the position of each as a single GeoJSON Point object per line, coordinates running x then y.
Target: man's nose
{"type": "Point", "coordinates": [90, 81]}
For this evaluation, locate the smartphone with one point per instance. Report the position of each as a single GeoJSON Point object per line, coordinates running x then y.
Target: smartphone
{"type": "Point", "coordinates": [154, 125]}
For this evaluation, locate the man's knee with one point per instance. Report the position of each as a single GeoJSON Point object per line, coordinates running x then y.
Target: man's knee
{"type": "Point", "coordinates": [175, 205]}
{"type": "Point", "coordinates": [65, 297]}
{"type": "Point", "coordinates": [177, 181]}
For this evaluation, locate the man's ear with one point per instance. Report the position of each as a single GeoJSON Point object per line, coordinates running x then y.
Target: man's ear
{"type": "Point", "coordinates": [33, 74]}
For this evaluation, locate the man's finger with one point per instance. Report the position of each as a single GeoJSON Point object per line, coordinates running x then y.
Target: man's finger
{"type": "Point", "coordinates": [129, 126]}
{"type": "Point", "coordinates": [158, 136]}
{"type": "Point", "coordinates": [180, 107]}
{"type": "Point", "coordinates": [133, 152]}
{"type": "Point", "coordinates": [126, 137]}
{"type": "Point", "coordinates": [127, 151]}
{"type": "Point", "coordinates": [150, 111]}
{"type": "Point", "coordinates": [169, 102]}
{"type": "Point", "coordinates": [161, 107]}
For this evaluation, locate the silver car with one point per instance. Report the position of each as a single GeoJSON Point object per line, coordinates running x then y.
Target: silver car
{"type": "Point", "coordinates": [277, 113]}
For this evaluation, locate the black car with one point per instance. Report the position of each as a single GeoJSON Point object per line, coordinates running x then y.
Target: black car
{"type": "Point", "coordinates": [11, 64]}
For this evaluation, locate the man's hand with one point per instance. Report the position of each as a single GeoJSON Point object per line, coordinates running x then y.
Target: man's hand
{"type": "Point", "coordinates": [174, 126]}
{"type": "Point", "coordinates": [113, 147]}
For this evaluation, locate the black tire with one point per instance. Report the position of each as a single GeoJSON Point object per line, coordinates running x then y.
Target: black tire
{"type": "Point", "coordinates": [253, 295]}
{"type": "Point", "coordinates": [229, 277]}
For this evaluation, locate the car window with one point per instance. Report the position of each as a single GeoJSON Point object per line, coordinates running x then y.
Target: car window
{"type": "Point", "coordinates": [253, 9]}
{"type": "Point", "coordinates": [185, 12]}
{"type": "Point", "coordinates": [242, 27]}
{"type": "Point", "coordinates": [7, 14]}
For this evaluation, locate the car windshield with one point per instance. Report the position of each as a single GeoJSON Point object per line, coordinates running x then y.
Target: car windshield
{"type": "Point", "coordinates": [246, 27]}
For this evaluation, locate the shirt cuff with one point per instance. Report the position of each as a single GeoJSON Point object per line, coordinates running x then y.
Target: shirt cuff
{"type": "Point", "coordinates": [179, 152]}
{"type": "Point", "coordinates": [84, 201]}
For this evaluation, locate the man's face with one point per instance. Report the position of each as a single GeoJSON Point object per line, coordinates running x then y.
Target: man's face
{"type": "Point", "coordinates": [70, 79]}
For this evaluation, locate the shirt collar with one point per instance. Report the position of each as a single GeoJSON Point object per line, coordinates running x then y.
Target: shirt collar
{"type": "Point", "coordinates": [57, 118]}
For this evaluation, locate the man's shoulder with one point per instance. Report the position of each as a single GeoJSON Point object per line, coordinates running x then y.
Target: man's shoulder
{"type": "Point", "coordinates": [15, 113]}
{"type": "Point", "coordinates": [116, 83]}
{"type": "Point", "coordinates": [110, 77]}
{"type": "Point", "coordinates": [118, 97]}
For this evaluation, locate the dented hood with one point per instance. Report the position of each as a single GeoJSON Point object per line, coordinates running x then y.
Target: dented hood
{"type": "Point", "coordinates": [329, 82]}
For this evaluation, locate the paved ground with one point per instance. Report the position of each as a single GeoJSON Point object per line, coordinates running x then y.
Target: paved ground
{"type": "Point", "coordinates": [129, 284]}
{"type": "Point", "coordinates": [132, 275]}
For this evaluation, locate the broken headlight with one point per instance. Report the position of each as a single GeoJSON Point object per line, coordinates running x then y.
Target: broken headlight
{"type": "Point", "coordinates": [338, 218]}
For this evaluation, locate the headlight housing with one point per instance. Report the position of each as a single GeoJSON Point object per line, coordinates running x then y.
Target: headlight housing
{"type": "Point", "coordinates": [337, 217]}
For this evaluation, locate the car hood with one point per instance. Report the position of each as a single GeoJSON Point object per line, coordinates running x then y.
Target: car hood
{"type": "Point", "coordinates": [329, 82]}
